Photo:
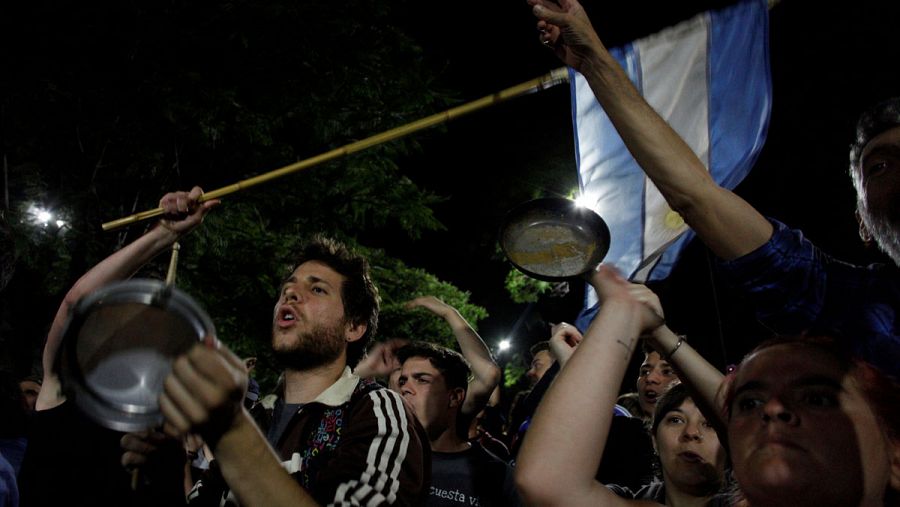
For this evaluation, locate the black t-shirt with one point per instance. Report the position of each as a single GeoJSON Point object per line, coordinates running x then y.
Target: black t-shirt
{"type": "Point", "coordinates": [70, 460]}
{"type": "Point", "coordinates": [628, 455]}
{"type": "Point", "coordinates": [281, 416]}
{"type": "Point", "coordinates": [470, 478]}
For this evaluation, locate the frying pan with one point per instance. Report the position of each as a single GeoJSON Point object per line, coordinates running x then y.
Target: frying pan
{"type": "Point", "coordinates": [118, 346]}
{"type": "Point", "coordinates": [552, 239]}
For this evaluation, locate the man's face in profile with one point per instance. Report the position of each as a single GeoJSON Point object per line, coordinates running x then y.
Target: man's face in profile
{"type": "Point", "coordinates": [541, 362]}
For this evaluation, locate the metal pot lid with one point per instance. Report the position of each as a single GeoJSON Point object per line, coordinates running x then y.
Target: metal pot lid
{"type": "Point", "coordinates": [118, 347]}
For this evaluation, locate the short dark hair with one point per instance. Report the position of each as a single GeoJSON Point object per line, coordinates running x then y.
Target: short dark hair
{"type": "Point", "coordinates": [452, 365]}
{"type": "Point", "coordinates": [877, 119]}
{"type": "Point", "coordinates": [358, 292]}
{"type": "Point", "coordinates": [647, 349]}
{"type": "Point", "coordinates": [669, 401]}
{"type": "Point", "coordinates": [539, 347]}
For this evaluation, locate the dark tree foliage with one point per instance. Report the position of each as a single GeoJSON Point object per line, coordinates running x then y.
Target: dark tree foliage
{"type": "Point", "coordinates": [107, 106]}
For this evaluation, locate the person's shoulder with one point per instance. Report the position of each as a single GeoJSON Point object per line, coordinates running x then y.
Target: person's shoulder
{"type": "Point", "coordinates": [369, 391]}
{"type": "Point", "coordinates": [375, 403]}
{"type": "Point", "coordinates": [489, 462]}
{"type": "Point", "coordinates": [368, 384]}
{"type": "Point", "coordinates": [884, 271]}
{"type": "Point", "coordinates": [783, 238]}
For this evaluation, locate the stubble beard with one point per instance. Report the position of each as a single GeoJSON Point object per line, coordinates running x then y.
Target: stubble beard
{"type": "Point", "coordinates": [885, 232]}
{"type": "Point", "coordinates": [311, 349]}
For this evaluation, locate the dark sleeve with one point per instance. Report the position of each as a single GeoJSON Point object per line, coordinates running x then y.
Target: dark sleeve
{"type": "Point", "coordinates": [9, 491]}
{"type": "Point", "coordinates": [628, 455]}
{"type": "Point", "coordinates": [70, 460]}
{"type": "Point", "coordinates": [510, 493]}
{"type": "Point", "coordinates": [529, 406]}
{"type": "Point", "coordinates": [785, 279]}
{"type": "Point", "coordinates": [382, 458]}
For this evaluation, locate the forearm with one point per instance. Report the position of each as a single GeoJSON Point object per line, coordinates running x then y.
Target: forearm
{"type": "Point", "coordinates": [561, 352]}
{"type": "Point", "coordinates": [252, 470]}
{"type": "Point", "coordinates": [565, 441]}
{"type": "Point", "coordinates": [125, 262]}
{"type": "Point", "coordinates": [724, 221]}
{"type": "Point", "coordinates": [485, 371]}
{"type": "Point", "coordinates": [703, 379]}
{"type": "Point", "coordinates": [118, 266]}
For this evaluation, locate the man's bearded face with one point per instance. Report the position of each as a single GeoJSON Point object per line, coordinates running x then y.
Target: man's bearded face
{"type": "Point", "coordinates": [878, 191]}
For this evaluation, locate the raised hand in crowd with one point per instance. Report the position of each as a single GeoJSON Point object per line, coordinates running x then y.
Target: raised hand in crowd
{"type": "Point", "coordinates": [486, 373]}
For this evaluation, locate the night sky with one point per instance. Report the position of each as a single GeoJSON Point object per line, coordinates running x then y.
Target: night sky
{"type": "Point", "coordinates": [828, 60]}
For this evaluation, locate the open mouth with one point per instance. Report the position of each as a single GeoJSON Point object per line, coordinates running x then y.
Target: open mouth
{"type": "Point", "coordinates": [691, 457]}
{"type": "Point", "coordinates": [651, 396]}
{"type": "Point", "coordinates": [285, 317]}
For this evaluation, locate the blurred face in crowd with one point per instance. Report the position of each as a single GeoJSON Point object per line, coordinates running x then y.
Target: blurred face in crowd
{"type": "Point", "coordinates": [878, 188]}
{"type": "Point", "coordinates": [692, 458]}
{"type": "Point", "coordinates": [541, 362]}
{"type": "Point", "coordinates": [30, 390]}
{"type": "Point", "coordinates": [654, 378]}
{"type": "Point", "coordinates": [425, 389]}
{"type": "Point", "coordinates": [799, 421]}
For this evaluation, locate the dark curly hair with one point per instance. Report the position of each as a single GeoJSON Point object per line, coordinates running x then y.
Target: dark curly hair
{"type": "Point", "coordinates": [878, 119]}
{"type": "Point", "coordinates": [452, 365]}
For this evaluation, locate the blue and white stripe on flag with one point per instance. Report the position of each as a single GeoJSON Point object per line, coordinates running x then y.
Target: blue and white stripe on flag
{"type": "Point", "coordinates": [708, 77]}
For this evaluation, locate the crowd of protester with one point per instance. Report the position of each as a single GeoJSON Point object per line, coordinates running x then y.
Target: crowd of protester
{"type": "Point", "coordinates": [809, 417]}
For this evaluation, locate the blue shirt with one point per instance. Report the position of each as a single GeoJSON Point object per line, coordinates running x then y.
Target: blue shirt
{"type": "Point", "coordinates": [794, 286]}
{"type": "Point", "coordinates": [9, 490]}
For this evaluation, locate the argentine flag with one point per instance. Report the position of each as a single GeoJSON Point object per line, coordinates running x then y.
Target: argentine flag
{"type": "Point", "coordinates": [708, 77]}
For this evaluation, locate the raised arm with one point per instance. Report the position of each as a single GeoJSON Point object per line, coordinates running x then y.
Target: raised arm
{"type": "Point", "coordinates": [183, 214]}
{"type": "Point", "coordinates": [702, 378]}
{"type": "Point", "coordinates": [381, 361]}
{"type": "Point", "coordinates": [563, 342]}
{"type": "Point", "coordinates": [728, 225]}
{"type": "Point", "coordinates": [562, 449]}
{"type": "Point", "coordinates": [485, 371]}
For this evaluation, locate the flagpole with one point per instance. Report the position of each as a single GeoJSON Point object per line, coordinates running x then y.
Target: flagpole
{"type": "Point", "coordinates": [549, 80]}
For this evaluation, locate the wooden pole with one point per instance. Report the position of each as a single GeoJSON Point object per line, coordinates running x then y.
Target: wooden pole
{"type": "Point", "coordinates": [551, 79]}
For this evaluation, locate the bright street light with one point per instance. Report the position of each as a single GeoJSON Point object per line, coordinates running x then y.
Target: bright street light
{"type": "Point", "coordinates": [503, 345]}
{"type": "Point", "coordinates": [43, 217]}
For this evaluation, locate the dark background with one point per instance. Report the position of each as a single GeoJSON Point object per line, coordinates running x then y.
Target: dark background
{"type": "Point", "coordinates": [828, 62]}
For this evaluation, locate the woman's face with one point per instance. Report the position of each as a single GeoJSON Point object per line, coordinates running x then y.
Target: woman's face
{"type": "Point", "coordinates": [802, 432]}
{"type": "Point", "coordinates": [689, 450]}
